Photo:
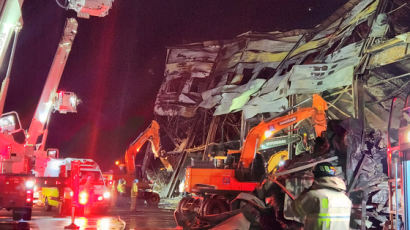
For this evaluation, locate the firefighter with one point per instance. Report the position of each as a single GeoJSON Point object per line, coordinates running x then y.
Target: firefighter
{"type": "Point", "coordinates": [121, 187]}
{"type": "Point", "coordinates": [134, 195]}
{"type": "Point", "coordinates": [114, 193]}
{"type": "Point", "coordinates": [324, 205]}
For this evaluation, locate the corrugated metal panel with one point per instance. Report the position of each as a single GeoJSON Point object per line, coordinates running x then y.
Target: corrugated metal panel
{"type": "Point", "coordinates": [264, 104]}
{"type": "Point", "coordinates": [349, 51]}
{"type": "Point", "coordinates": [305, 80]}
{"type": "Point", "coordinates": [234, 101]}
{"type": "Point", "coordinates": [360, 12]}
{"type": "Point", "coordinates": [232, 68]}
{"type": "Point", "coordinates": [390, 55]}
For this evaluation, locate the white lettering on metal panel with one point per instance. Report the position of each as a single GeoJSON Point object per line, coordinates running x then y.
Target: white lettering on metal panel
{"type": "Point", "coordinates": [287, 121]}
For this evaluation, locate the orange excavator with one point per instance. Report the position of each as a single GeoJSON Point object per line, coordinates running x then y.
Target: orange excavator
{"type": "Point", "coordinates": [145, 192]}
{"type": "Point", "coordinates": [151, 134]}
{"type": "Point", "coordinates": [216, 187]}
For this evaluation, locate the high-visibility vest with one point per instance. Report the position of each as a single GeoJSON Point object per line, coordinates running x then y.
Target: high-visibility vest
{"type": "Point", "coordinates": [121, 187]}
{"type": "Point", "coordinates": [134, 189]}
{"type": "Point", "coordinates": [324, 209]}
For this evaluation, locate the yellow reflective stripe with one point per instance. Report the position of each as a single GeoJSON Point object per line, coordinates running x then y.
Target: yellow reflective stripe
{"type": "Point", "coordinates": [325, 203]}
{"type": "Point", "coordinates": [330, 216]}
{"type": "Point", "coordinates": [334, 217]}
{"type": "Point", "coordinates": [320, 222]}
{"type": "Point", "coordinates": [324, 219]}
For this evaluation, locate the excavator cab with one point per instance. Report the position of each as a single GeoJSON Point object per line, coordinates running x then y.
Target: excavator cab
{"type": "Point", "coordinates": [254, 173]}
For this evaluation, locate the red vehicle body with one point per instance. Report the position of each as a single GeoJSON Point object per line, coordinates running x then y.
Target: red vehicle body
{"type": "Point", "coordinates": [14, 176]}
{"type": "Point", "coordinates": [17, 194]}
{"type": "Point", "coordinates": [59, 188]}
{"type": "Point", "coordinates": [22, 159]}
{"type": "Point", "coordinates": [22, 151]}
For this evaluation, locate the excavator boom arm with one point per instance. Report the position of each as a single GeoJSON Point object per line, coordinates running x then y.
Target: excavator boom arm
{"type": "Point", "coordinates": [151, 134]}
{"type": "Point", "coordinates": [264, 130]}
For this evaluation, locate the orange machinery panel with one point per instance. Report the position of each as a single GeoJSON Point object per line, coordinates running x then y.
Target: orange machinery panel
{"type": "Point", "coordinates": [221, 179]}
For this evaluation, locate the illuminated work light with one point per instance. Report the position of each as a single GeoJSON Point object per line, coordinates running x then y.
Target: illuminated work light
{"type": "Point", "coordinates": [10, 123]}
{"type": "Point", "coordinates": [106, 195]}
{"type": "Point", "coordinates": [30, 184]}
{"type": "Point", "coordinates": [7, 123]}
{"type": "Point", "coordinates": [269, 133]}
{"type": "Point", "coordinates": [83, 198]}
{"type": "Point", "coordinates": [404, 138]}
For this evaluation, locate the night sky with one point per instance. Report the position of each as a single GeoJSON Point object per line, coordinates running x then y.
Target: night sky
{"type": "Point", "coordinates": [116, 63]}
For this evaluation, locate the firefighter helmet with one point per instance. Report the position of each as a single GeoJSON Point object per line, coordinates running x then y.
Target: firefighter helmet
{"type": "Point", "coordinates": [324, 169]}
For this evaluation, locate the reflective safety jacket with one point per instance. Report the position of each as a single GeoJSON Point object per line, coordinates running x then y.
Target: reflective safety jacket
{"type": "Point", "coordinates": [121, 187]}
{"type": "Point", "coordinates": [134, 189]}
{"type": "Point", "coordinates": [324, 206]}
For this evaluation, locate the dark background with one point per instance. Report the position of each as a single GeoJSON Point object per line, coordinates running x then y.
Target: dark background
{"type": "Point", "coordinates": [116, 63]}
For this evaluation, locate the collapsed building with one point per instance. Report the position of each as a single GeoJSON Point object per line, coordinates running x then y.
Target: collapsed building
{"type": "Point", "coordinates": [357, 59]}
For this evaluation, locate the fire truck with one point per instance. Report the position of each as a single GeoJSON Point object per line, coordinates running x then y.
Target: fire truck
{"type": "Point", "coordinates": [23, 157]}
{"type": "Point", "coordinates": [211, 189]}
{"type": "Point", "coordinates": [22, 153]}
{"type": "Point", "coordinates": [16, 186]}
{"type": "Point", "coordinates": [57, 186]}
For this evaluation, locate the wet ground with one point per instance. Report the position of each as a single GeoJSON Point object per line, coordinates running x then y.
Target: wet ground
{"type": "Point", "coordinates": [143, 218]}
